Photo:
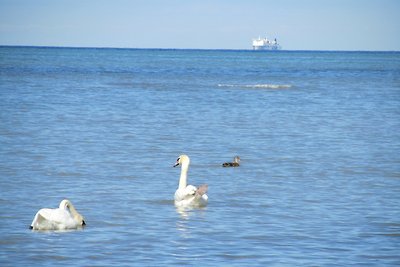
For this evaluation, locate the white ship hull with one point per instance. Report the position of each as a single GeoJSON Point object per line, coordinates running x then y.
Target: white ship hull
{"type": "Point", "coordinates": [265, 44]}
{"type": "Point", "coordinates": [265, 47]}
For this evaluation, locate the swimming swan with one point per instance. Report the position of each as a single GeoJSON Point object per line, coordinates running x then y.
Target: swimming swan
{"type": "Point", "coordinates": [189, 195]}
{"type": "Point", "coordinates": [65, 217]}
{"type": "Point", "coordinates": [235, 162]}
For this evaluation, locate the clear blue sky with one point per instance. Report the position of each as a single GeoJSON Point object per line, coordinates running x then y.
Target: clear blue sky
{"type": "Point", "coordinates": [214, 24]}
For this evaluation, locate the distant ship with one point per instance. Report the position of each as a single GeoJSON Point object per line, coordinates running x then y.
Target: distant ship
{"type": "Point", "coordinates": [265, 44]}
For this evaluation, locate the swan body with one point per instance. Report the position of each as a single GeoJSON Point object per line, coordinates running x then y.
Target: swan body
{"type": "Point", "coordinates": [62, 218]}
{"type": "Point", "coordinates": [235, 163]}
{"type": "Point", "coordinates": [189, 195]}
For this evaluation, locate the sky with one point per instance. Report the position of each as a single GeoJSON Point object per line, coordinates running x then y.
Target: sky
{"type": "Point", "coordinates": [202, 24]}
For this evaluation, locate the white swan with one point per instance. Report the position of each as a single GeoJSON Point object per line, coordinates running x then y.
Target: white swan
{"type": "Point", "coordinates": [65, 217]}
{"type": "Point", "coordinates": [189, 195]}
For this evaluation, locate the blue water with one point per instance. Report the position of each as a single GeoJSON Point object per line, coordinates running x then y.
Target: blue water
{"type": "Point", "coordinates": [318, 134]}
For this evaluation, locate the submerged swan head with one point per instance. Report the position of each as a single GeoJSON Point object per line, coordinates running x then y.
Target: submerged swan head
{"type": "Point", "coordinates": [67, 205]}
{"type": "Point", "coordinates": [182, 160]}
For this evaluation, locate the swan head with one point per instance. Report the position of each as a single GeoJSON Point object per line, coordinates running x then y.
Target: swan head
{"type": "Point", "coordinates": [182, 160]}
{"type": "Point", "coordinates": [67, 205]}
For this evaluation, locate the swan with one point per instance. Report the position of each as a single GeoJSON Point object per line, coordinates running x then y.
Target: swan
{"type": "Point", "coordinates": [65, 217]}
{"type": "Point", "coordinates": [235, 162]}
{"type": "Point", "coordinates": [189, 195]}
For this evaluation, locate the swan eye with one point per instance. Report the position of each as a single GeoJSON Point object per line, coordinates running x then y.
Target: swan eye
{"type": "Point", "coordinates": [178, 159]}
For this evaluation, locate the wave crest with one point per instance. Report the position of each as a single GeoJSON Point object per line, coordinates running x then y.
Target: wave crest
{"type": "Point", "coordinates": [269, 86]}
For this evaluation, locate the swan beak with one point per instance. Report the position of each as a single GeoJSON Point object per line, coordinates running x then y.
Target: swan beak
{"type": "Point", "coordinates": [176, 164]}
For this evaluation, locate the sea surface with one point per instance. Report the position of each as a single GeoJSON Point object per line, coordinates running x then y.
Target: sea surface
{"type": "Point", "coordinates": [318, 134]}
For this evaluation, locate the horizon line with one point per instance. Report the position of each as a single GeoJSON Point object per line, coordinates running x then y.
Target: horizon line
{"type": "Point", "coordinates": [205, 49]}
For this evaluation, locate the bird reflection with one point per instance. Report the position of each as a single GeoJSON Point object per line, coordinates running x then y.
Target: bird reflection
{"type": "Point", "coordinates": [183, 212]}
{"type": "Point", "coordinates": [186, 212]}
{"type": "Point", "coordinates": [186, 216]}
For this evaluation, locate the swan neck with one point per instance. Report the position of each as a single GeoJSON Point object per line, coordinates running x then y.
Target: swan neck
{"type": "Point", "coordinates": [77, 217]}
{"type": "Point", "coordinates": [183, 177]}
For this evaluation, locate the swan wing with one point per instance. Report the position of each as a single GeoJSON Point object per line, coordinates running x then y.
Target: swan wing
{"type": "Point", "coordinates": [191, 196]}
{"type": "Point", "coordinates": [202, 189]}
{"type": "Point", "coordinates": [53, 219]}
{"type": "Point", "coordinates": [184, 194]}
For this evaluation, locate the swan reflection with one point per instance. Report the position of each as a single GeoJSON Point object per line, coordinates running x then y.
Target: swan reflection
{"type": "Point", "coordinates": [186, 212]}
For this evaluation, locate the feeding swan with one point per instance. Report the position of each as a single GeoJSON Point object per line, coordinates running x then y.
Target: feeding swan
{"type": "Point", "coordinates": [189, 195]}
{"type": "Point", "coordinates": [65, 217]}
{"type": "Point", "coordinates": [235, 162]}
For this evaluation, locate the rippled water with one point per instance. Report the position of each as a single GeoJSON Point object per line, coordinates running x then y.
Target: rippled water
{"type": "Point", "coordinates": [318, 134]}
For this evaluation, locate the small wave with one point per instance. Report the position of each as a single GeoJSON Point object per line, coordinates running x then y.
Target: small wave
{"type": "Point", "coordinates": [268, 86]}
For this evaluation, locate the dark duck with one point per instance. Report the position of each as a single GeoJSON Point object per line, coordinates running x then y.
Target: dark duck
{"type": "Point", "coordinates": [235, 162]}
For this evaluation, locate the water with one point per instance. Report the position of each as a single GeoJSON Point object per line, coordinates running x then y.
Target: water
{"type": "Point", "coordinates": [318, 134]}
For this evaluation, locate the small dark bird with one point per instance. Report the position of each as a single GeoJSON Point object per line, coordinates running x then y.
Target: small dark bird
{"type": "Point", "coordinates": [235, 163]}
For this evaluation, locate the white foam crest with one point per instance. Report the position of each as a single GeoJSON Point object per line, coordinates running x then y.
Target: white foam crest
{"type": "Point", "coordinates": [268, 86]}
